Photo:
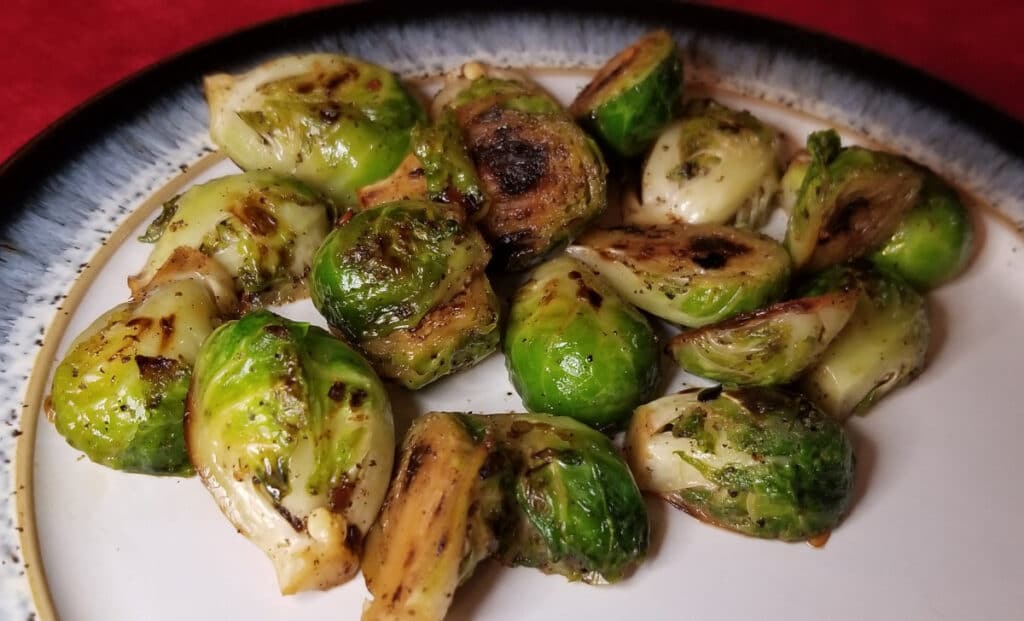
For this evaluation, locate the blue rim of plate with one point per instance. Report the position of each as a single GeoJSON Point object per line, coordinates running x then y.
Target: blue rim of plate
{"type": "Point", "coordinates": [978, 141]}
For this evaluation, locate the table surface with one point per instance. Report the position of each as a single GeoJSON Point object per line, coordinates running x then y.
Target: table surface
{"type": "Point", "coordinates": [55, 55]}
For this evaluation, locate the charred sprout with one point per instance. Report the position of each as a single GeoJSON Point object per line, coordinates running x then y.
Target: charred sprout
{"type": "Point", "coordinates": [543, 177]}
{"type": "Point", "coordinates": [633, 95]}
{"type": "Point", "coordinates": [769, 346]}
{"type": "Point", "coordinates": [690, 275]}
{"type": "Point", "coordinates": [291, 432]}
{"type": "Point", "coordinates": [716, 165]}
{"type": "Point", "coordinates": [755, 460]}
{"type": "Point", "coordinates": [883, 345]}
{"type": "Point", "coordinates": [850, 201]}
{"type": "Point", "coordinates": [336, 122]}
{"type": "Point", "coordinates": [119, 393]}
{"type": "Point", "coordinates": [574, 348]}
{"type": "Point", "coordinates": [261, 228]}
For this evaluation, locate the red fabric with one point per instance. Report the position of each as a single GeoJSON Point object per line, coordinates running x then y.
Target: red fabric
{"type": "Point", "coordinates": [55, 54]}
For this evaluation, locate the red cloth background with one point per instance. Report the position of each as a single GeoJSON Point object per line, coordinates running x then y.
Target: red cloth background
{"type": "Point", "coordinates": [54, 54]}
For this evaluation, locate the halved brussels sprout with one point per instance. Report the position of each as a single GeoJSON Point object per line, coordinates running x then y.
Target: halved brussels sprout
{"type": "Point", "coordinates": [119, 393]}
{"type": "Point", "coordinates": [789, 187]}
{"type": "Point", "coordinates": [437, 169]}
{"type": "Point", "coordinates": [633, 95]}
{"type": "Point", "coordinates": [850, 202]}
{"type": "Point", "coordinates": [755, 460]}
{"type": "Point", "coordinates": [334, 121]}
{"type": "Point", "coordinates": [883, 345]}
{"type": "Point", "coordinates": [263, 229]}
{"type": "Point", "coordinates": [544, 178]}
{"type": "Point", "coordinates": [441, 518]}
{"type": "Point", "coordinates": [574, 348]}
{"type": "Point", "coordinates": [769, 346]}
{"type": "Point", "coordinates": [691, 275]}
{"type": "Point", "coordinates": [716, 165]}
{"type": "Point", "coordinates": [934, 241]}
{"type": "Point", "coordinates": [454, 335]}
{"type": "Point", "coordinates": [577, 511]}
{"type": "Point", "coordinates": [389, 266]}
{"type": "Point", "coordinates": [291, 432]}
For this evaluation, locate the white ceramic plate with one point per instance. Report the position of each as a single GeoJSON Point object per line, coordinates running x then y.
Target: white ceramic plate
{"type": "Point", "coordinates": [933, 530]}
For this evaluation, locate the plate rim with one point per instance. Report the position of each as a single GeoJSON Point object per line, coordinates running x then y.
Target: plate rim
{"type": "Point", "coordinates": [33, 162]}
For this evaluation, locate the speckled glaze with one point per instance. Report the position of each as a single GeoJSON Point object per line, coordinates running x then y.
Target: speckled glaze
{"type": "Point", "coordinates": [80, 197]}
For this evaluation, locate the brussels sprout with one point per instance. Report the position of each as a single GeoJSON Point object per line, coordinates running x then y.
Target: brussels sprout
{"type": "Point", "coordinates": [291, 431]}
{"type": "Point", "coordinates": [336, 122]}
{"type": "Point", "coordinates": [451, 337]}
{"type": "Point", "coordinates": [714, 166]}
{"type": "Point", "coordinates": [755, 460]}
{"type": "Point", "coordinates": [633, 95]}
{"type": "Point", "coordinates": [119, 393]}
{"type": "Point", "coordinates": [437, 169]}
{"type": "Point", "coordinates": [544, 179]}
{"type": "Point", "coordinates": [883, 345]}
{"type": "Point", "coordinates": [263, 230]}
{"type": "Point", "coordinates": [691, 275]}
{"type": "Point", "coordinates": [574, 348]}
{"type": "Point", "coordinates": [577, 511]}
{"type": "Point", "coordinates": [438, 522]}
{"type": "Point", "coordinates": [769, 346]}
{"type": "Point", "coordinates": [534, 490]}
{"type": "Point", "coordinates": [389, 266]}
{"type": "Point", "coordinates": [935, 240]}
{"type": "Point", "coordinates": [850, 202]}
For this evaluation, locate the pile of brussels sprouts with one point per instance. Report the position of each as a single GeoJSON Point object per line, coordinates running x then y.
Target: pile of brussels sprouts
{"type": "Point", "coordinates": [395, 221]}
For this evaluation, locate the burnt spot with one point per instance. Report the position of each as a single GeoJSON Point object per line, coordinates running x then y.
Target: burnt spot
{"type": "Point", "coordinates": [442, 543]}
{"type": "Point", "coordinates": [254, 218]}
{"type": "Point", "coordinates": [304, 88]}
{"type": "Point", "coordinates": [353, 538]}
{"type": "Point", "coordinates": [335, 80]}
{"type": "Point", "coordinates": [341, 495]}
{"type": "Point", "coordinates": [166, 330]}
{"type": "Point", "coordinates": [156, 368]}
{"type": "Point", "coordinates": [517, 165]}
{"type": "Point", "coordinates": [616, 67]}
{"type": "Point", "coordinates": [417, 455]}
{"type": "Point", "coordinates": [709, 394]}
{"type": "Point", "coordinates": [277, 330]}
{"type": "Point", "coordinates": [337, 391]}
{"type": "Point", "coordinates": [494, 464]}
{"type": "Point", "coordinates": [843, 219]}
{"type": "Point", "coordinates": [712, 252]}
{"type": "Point", "coordinates": [295, 521]}
{"type": "Point", "coordinates": [140, 323]}
{"type": "Point", "coordinates": [358, 398]}
{"type": "Point", "coordinates": [373, 85]}
{"type": "Point", "coordinates": [584, 292]}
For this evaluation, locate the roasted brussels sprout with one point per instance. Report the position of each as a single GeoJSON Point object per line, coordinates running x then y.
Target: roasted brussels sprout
{"type": "Point", "coordinates": [534, 490]}
{"type": "Point", "coordinates": [438, 168]}
{"type": "Point", "coordinates": [574, 348]}
{"type": "Point", "coordinates": [755, 460]}
{"type": "Point", "coordinates": [934, 241]}
{"type": "Point", "coordinates": [119, 393]}
{"type": "Point", "coordinates": [336, 122]}
{"type": "Point", "coordinates": [441, 518]}
{"type": "Point", "coordinates": [716, 165]}
{"type": "Point", "coordinates": [577, 511]}
{"type": "Point", "coordinates": [789, 186]}
{"type": "Point", "coordinates": [291, 432]}
{"type": "Point", "coordinates": [769, 346]}
{"type": "Point", "coordinates": [850, 202]}
{"type": "Point", "coordinates": [452, 336]}
{"type": "Point", "coordinates": [404, 282]}
{"type": "Point", "coordinates": [544, 179]}
{"type": "Point", "coordinates": [883, 345]}
{"type": "Point", "coordinates": [691, 275]}
{"type": "Point", "coordinates": [633, 95]}
{"type": "Point", "coordinates": [263, 229]}
{"type": "Point", "coordinates": [389, 266]}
